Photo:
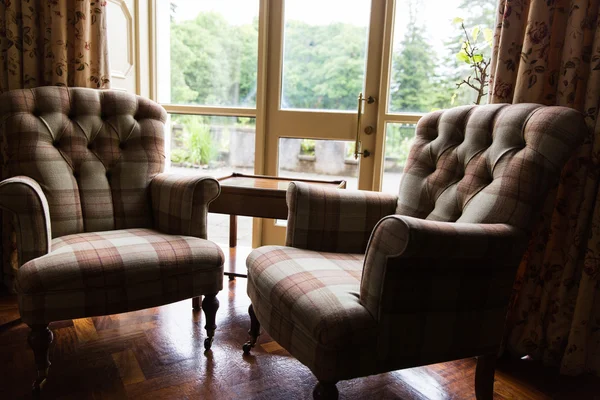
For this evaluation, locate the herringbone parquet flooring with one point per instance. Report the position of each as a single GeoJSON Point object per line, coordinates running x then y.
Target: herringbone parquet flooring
{"type": "Point", "coordinates": [158, 354]}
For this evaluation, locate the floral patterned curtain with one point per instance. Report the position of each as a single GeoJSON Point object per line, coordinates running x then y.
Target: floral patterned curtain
{"type": "Point", "coordinates": [548, 51]}
{"type": "Point", "coordinates": [49, 42]}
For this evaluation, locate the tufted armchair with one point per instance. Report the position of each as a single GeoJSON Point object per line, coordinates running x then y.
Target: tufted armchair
{"type": "Point", "coordinates": [370, 282]}
{"type": "Point", "coordinates": [100, 229]}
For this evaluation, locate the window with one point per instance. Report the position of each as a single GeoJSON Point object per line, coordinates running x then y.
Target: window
{"type": "Point", "coordinates": [430, 63]}
{"type": "Point", "coordinates": [324, 56]}
{"type": "Point", "coordinates": [207, 53]}
{"type": "Point", "coordinates": [319, 159]}
{"type": "Point", "coordinates": [207, 57]}
{"type": "Point", "coordinates": [228, 87]}
{"type": "Point", "coordinates": [432, 68]}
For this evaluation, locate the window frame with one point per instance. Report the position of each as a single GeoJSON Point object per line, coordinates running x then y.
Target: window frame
{"type": "Point", "coordinates": [258, 112]}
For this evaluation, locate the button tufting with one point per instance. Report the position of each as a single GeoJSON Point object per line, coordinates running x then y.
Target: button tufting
{"type": "Point", "coordinates": [122, 145]}
{"type": "Point", "coordinates": [90, 146]}
{"type": "Point", "coordinates": [55, 143]}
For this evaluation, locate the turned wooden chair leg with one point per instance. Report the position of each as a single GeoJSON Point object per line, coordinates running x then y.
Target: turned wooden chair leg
{"type": "Point", "coordinates": [39, 340]}
{"type": "Point", "coordinates": [254, 331]}
{"type": "Point", "coordinates": [325, 391]}
{"type": "Point", "coordinates": [196, 303]}
{"type": "Point", "coordinates": [484, 377]}
{"type": "Point", "coordinates": [210, 305]}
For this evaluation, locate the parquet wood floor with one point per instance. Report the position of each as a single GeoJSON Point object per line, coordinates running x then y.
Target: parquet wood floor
{"type": "Point", "coordinates": [158, 354]}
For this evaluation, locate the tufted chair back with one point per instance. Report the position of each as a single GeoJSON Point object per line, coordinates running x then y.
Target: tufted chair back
{"type": "Point", "coordinates": [487, 164]}
{"type": "Point", "coordinates": [93, 153]}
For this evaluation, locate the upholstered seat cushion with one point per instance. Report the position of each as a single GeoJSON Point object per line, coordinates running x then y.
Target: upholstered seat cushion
{"type": "Point", "coordinates": [316, 293]}
{"type": "Point", "coordinates": [116, 271]}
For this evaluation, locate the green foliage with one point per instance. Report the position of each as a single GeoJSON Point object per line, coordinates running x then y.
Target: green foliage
{"type": "Point", "coordinates": [399, 138]}
{"type": "Point", "coordinates": [245, 121]}
{"type": "Point", "coordinates": [179, 156]}
{"type": "Point", "coordinates": [475, 13]}
{"type": "Point", "coordinates": [307, 147]}
{"type": "Point", "coordinates": [471, 53]}
{"type": "Point", "coordinates": [201, 148]}
{"type": "Point", "coordinates": [198, 147]}
{"type": "Point", "coordinates": [413, 72]}
{"type": "Point", "coordinates": [350, 148]}
{"type": "Point", "coordinates": [323, 65]}
{"type": "Point", "coordinates": [213, 62]}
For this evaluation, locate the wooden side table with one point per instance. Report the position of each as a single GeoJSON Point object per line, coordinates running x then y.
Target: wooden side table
{"type": "Point", "coordinates": [255, 196]}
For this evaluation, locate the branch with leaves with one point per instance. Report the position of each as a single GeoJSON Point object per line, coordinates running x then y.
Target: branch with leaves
{"type": "Point", "coordinates": [471, 53]}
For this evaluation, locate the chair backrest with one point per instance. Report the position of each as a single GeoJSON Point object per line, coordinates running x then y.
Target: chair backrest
{"type": "Point", "coordinates": [93, 153]}
{"type": "Point", "coordinates": [487, 164]}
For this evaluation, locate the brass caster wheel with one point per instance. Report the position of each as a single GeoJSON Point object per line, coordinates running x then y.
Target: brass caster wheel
{"type": "Point", "coordinates": [208, 343]}
{"type": "Point", "coordinates": [247, 347]}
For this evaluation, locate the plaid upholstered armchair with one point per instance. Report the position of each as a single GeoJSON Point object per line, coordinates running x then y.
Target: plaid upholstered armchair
{"type": "Point", "coordinates": [100, 229]}
{"type": "Point", "coordinates": [370, 282]}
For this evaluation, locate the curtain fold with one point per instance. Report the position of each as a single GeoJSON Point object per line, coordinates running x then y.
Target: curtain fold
{"type": "Point", "coordinates": [548, 52]}
{"type": "Point", "coordinates": [48, 42]}
{"type": "Point", "coordinates": [53, 43]}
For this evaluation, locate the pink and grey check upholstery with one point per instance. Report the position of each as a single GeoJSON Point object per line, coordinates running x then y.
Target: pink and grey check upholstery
{"type": "Point", "coordinates": [370, 283]}
{"type": "Point", "coordinates": [101, 229]}
{"type": "Point", "coordinates": [102, 273]}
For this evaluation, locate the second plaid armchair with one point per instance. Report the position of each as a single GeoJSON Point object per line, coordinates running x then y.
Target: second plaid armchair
{"type": "Point", "coordinates": [369, 282]}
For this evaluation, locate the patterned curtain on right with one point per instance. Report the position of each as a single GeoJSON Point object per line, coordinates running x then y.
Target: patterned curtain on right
{"type": "Point", "coordinates": [548, 52]}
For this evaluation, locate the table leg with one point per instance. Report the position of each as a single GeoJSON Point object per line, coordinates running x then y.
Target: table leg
{"type": "Point", "coordinates": [196, 302]}
{"type": "Point", "coordinates": [232, 236]}
{"type": "Point", "coordinates": [232, 230]}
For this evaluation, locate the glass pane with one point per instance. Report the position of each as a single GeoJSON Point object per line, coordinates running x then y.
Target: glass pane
{"type": "Point", "coordinates": [214, 146]}
{"type": "Point", "coordinates": [324, 58]}
{"type": "Point", "coordinates": [210, 145]}
{"type": "Point", "coordinates": [318, 159]}
{"type": "Point", "coordinates": [218, 231]}
{"type": "Point", "coordinates": [398, 139]}
{"type": "Point", "coordinates": [429, 60]}
{"type": "Point", "coordinates": [209, 50]}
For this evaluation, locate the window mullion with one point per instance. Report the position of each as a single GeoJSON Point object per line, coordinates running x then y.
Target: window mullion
{"type": "Point", "coordinates": [209, 110]}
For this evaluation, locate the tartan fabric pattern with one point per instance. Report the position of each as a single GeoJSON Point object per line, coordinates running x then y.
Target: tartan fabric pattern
{"type": "Point", "coordinates": [487, 164]}
{"type": "Point", "coordinates": [331, 220]}
{"type": "Point", "coordinates": [93, 153]}
{"type": "Point", "coordinates": [397, 238]}
{"type": "Point", "coordinates": [82, 162]}
{"type": "Point", "coordinates": [23, 197]}
{"type": "Point", "coordinates": [309, 300]}
{"type": "Point", "coordinates": [439, 265]}
{"type": "Point", "coordinates": [180, 203]}
{"type": "Point", "coordinates": [449, 303]}
{"type": "Point", "coordinates": [110, 272]}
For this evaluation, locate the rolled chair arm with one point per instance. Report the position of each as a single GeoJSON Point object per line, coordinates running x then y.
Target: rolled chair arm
{"type": "Point", "coordinates": [443, 287]}
{"type": "Point", "coordinates": [333, 220]}
{"type": "Point", "coordinates": [407, 254]}
{"type": "Point", "coordinates": [180, 203]}
{"type": "Point", "coordinates": [24, 197]}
